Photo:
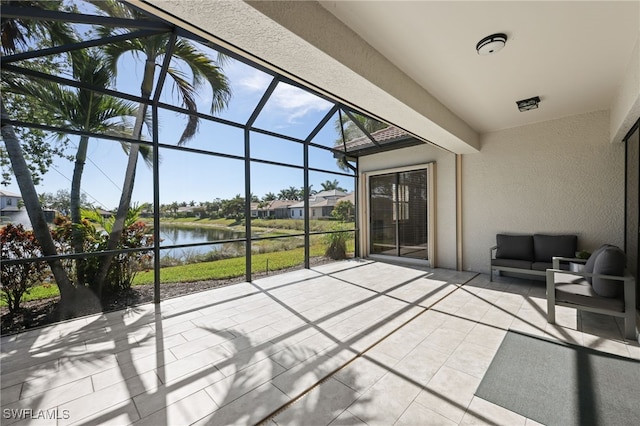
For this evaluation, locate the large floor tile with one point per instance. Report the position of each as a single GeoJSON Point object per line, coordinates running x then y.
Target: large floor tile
{"type": "Point", "coordinates": [321, 406]}
{"type": "Point", "coordinates": [449, 393]}
{"type": "Point", "coordinates": [358, 342]}
{"type": "Point", "coordinates": [481, 412]}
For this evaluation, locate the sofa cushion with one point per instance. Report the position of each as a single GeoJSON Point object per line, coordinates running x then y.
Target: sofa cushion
{"type": "Point", "coordinates": [511, 263]}
{"type": "Point", "coordinates": [588, 267]}
{"type": "Point", "coordinates": [575, 289]}
{"type": "Point", "coordinates": [543, 266]}
{"type": "Point", "coordinates": [610, 261]}
{"type": "Point", "coordinates": [548, 246]}
{"type": "Point", "coordinates": [517, 247]}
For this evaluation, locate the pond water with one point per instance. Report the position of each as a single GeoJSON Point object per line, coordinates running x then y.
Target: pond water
{"type": "Point", "coordinates": [175, 234]}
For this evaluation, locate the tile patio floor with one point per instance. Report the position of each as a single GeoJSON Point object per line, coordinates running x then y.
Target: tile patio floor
{"type": "Point", "coordinates": [387, 345]}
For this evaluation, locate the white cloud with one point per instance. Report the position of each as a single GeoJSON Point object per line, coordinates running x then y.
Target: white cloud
{"type": "Point", "coordinates": [287, 102]}
{"type": "Point", "coordinates": [254, 81]}
{"type": "Point", "coordinates": [296, 103]}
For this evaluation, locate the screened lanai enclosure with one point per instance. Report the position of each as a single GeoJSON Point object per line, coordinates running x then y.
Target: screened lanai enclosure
{"type": "Point", "coordinates": [143, 155]}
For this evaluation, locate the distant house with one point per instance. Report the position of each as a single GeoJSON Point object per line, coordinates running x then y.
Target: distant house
{"type": "Point", "coordinates": [349, 197]}
{"type": "Point", "coordinates": [276, 209]}
{"type": "Point", "coordinates": [9, 209]}
{"type": "Point", "coordinates": [279, 209]}
{"type": "Point", "coordinates": [333, 194]}
{"type": "Point", "coordinates": [105, 213]}
{"type": "Point", "coordinates": [320, 205]}
{"type": "Point", "coordinates": [190, 211]}
{"type": "Point", "coordinates": [259, 210]}
{"type": "Point", "coordinates": [9, 203]}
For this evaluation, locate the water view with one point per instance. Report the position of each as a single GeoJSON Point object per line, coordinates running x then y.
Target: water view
{"type": "Point", "coordinates": [177, 235]}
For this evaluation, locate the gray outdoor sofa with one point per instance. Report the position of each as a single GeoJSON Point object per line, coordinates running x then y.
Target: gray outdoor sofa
{"type": "Point", "coordinates": [530, 254]}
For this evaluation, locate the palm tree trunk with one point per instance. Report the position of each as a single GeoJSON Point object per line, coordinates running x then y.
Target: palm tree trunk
{"type": "Point", "coordinates": [77, 237]}
{"type": "Point", "coordinates": [34, 210]}
{"type": "Point", "coordinates": [129, 179]}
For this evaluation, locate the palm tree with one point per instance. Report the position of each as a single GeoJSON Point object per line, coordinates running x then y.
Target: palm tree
{"type": "Point", "coordinates": [153, 48]}
{"type": "Point", "coordinates": [269, 196]}
{"type": "Point", "coordinates": [40, 227]}
{"type": "Point", "coordinates": [331, 185]}
{"type": "Point", "coordinates": [310, 192]}
{"type": "Point", "coordinates": [82, 110]}
{"type": "Point", "coordinates": [352, 130]}
{"type": "Point", "coordinates": [293, 193]}
{"type": "Point", "coordinates": [14, 33]}
{"type": "Point", "coordinates": [348, 130]}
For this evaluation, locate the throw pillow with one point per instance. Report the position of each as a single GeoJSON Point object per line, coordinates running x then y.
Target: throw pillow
{"type": "Point", "coordinates": [516, 247]}
{"type": "Point", "coordinates": [610, 261]}
{"type": "Point", "coordinates": [548, 246]}
{"type": "Point", "coordinates": [588, 267]}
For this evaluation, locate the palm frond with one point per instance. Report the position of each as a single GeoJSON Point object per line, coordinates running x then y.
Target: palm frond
{"type": "Point", "coordinates": [187, 95]}
{"type": "Point", "coordinates": [145, 152]}
{"type": "Point", "coordinates": [15, 32]}
{"type": "Point", "coordinates": [114, 9]}
{"type": "Point", "coordinates": [204, 69]}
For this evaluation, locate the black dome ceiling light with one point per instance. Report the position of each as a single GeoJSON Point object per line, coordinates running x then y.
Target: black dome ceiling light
{"type": "Point", "coordinates": [491, 44]}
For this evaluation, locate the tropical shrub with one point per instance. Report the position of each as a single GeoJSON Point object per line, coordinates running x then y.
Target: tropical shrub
{"type": "Point", "coordinates": [337, 244]}
{"type": "Point", "coordinates": [18, 279]}
{"type": "Point", "coordinates": [62, 233]}
{"type": "Point", "coordinates": [344, 211]}
{"type": "Point", "coordinates": [124, 266]}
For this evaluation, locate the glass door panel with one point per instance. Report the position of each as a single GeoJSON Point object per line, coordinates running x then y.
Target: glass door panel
{"type": "Point", "coordinates": [383, 227]}
{"type": "Point", "coordinates": [399, 214]}
{"type": "Point", "coordinates": [412, 214]}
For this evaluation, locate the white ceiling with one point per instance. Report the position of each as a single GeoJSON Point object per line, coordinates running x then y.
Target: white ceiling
{"type": "Point", "coordinates": [571, 54]}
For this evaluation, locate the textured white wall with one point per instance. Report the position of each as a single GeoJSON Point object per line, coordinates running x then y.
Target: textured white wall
{"type": "Point", "coordinates": [445, 191]}
{"type": "Point", "coordinates": [625, 109]}
{"type": "Point", "coordinates": [559, 176]}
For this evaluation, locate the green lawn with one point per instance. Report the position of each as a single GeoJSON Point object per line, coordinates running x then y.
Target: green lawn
{"type": "Point", "coordinates": [228, 268]}
{"type": "Point", "coordinates": [40, 292]}
{"type": "Point", "coordinates": [214, 270]}
{"type": "Point", "coordinates": [257, 224]}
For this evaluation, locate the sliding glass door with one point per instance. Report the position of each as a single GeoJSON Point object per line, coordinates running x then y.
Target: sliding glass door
{"type": "Point", "coordinates": [399, 214]}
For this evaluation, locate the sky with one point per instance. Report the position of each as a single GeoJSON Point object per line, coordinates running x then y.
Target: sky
{"type": "Point", "coordinates": [186, 177]}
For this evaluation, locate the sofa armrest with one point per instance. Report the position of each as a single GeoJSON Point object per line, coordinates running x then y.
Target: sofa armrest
{"type": "Point", "coordinates": [627, 280]}
{"type": "Point", "coordinates": [557, 259]}
{"type": "Point", "coordinates": [492, 254]}
{"type": "Point", "coordinates": [624, 278]}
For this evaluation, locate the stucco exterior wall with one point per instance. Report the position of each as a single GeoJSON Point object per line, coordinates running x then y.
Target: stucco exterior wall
{"type": "Point", "coordinates": [445, 191]}
{"type": "Point", "coordinates": [559, 176]}
{"type": "Point", "coordinates": [625, 109]}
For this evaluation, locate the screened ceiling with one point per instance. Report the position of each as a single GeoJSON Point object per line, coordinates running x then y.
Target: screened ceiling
{"type": "Point", "coordinates": [208, 123]}
{"type": "Point", "coordinates": [264, 94]}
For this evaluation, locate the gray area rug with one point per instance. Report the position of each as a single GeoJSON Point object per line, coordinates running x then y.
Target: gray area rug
{"type": "Point", "coordinates": [561, 384]}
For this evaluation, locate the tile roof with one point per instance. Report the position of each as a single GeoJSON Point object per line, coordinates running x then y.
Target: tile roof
{"type": "Point", "coordinates": [387, 134]}
{"type": "Point", "coordinates": [386, 139]}
{"type": "Point", "coordinates": [9, 194]}
{"type": "Point", "coordinates": [331, 193]}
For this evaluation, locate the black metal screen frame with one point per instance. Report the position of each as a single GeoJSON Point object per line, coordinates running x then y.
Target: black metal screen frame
{"type": "Point", "coordinates": [155, 26]}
